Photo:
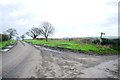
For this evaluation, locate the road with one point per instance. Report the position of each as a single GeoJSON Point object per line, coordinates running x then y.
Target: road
{"type": "Point", "coordinates": [26, 61]}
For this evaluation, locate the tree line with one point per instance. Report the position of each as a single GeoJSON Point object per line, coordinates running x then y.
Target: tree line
{"type": "Point", "coordinates": [8, 34]}
{"type": "Point", "coordinates": [45, 29]}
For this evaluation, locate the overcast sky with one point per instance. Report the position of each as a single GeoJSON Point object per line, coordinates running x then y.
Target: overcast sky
{"type": "Point", "coordinates": [71, 18]}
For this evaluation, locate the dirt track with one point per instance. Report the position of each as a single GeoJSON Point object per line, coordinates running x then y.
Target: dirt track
{"type": "Point", "coordinates": [25, 61]}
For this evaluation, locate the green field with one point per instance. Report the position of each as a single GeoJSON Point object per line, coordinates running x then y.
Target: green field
{"type": "Point", "coordinates": [3, 44]}
{"type": "Point", "coordinates": [77, 45]}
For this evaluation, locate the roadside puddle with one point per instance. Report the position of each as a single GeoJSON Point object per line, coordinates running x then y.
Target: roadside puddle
{"type": "Point", "coordinates": [7, 48]}
{"type": "Point", "coordinates": [4, 50]}
{"type": "Point", "coordinates": [47, 49]}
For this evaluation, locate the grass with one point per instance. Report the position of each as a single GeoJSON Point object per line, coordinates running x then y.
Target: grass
{"type": "Point", "coordinates": [3, 44]}
{"type": "Point", "coordinates": [74, 45]}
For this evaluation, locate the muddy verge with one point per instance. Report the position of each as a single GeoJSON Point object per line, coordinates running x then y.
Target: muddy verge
{"type": "Point", "coordinates": [73, 50]}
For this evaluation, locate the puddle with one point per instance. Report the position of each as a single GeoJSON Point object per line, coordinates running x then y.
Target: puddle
{"type": "Point", "coordinates": [4, 50]}
{"type": "Point", "coordinates": [55, 51]}
{"type": "Point", "coordinates": [9, 46]}
{"type": "Point", "coordinates": [36, 46]}
{"type": "Point", "coordinates": [88, 58]}
{"type": "Point", "coordinates": [47, 49]}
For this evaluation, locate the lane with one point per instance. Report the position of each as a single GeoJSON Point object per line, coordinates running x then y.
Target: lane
{"type": "Point", "coordinates": [15, 61]}
{"type": "Point", "coordinates": [26, 61]}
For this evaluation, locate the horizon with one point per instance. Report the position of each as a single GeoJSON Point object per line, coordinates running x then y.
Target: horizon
{"type": "Point", "coordinates": [111, 37]}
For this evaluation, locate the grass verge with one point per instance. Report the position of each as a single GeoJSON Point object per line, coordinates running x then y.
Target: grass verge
{"type": "Point", "coordinates": [74, 45]}
{"type": "Point", "coordinates": [3, 44]}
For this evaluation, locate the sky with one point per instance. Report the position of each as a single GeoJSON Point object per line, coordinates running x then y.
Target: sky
{"type": "Point", "coordinates": [70, 18]}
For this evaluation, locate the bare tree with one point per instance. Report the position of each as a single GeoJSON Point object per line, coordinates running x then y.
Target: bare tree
{"type": "Point", "coordinates": [34, 32]}
{"type": "Point", "coordinates": [11, 32]}
{"type": "Point", "coordinates": [23, 37]}
{"type": "Point", "coordinates": [46, 29]}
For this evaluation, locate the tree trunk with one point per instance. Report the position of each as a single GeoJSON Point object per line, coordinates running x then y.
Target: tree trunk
{"type": "Point", "coordinates": [34, 37]}
{"type": "Point", "coordinates": [10, 37]}
{"type": "Point", "coordinates": [46, 38]}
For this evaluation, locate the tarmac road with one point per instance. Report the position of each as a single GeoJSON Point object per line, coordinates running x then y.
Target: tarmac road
{"type": "Point", "coordinates": [26, 61]}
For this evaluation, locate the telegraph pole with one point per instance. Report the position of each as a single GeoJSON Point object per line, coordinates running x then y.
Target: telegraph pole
{"type": "Point", "coordinates": [101, 36]}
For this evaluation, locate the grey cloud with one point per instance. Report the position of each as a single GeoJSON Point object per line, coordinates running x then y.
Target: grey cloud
{"type": "Point", "coordinates": [10, 8]}
{"type": "Point", "coordinates": [111, 3]}
{"type": "Point", "coordinates": [9, 21]}
{"type": "Point", "coordinates": [111, 20]}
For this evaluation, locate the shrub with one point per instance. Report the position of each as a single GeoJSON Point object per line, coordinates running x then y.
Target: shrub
{"type": "Point", "coordinates": [4, 37]}
{"type": "Point", "coordinates": [97, 41]}
{"type": "Point", "coordinates": [87, 41]}
{"type": "Point", "coordinates": [105, 41]}
{"type": "Point", "coordinates": [114, 43]}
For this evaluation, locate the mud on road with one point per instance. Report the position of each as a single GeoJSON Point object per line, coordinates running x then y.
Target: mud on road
{"type": "Point", "coordinates": [73, 65]}
{"type": "Point", "coordinates": [40, 62]}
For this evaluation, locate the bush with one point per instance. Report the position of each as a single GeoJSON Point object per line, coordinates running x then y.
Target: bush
{"type": "Point", "coordinates": [70, 39]}
{"type": "Point", "coordinates": [105, 41]}
{"type": "Point", "coordinates": [97, 41]}
{"type": "Point", "coordinates": [87, 41]}
{"type": "Point", "coordinates": [4, 37]}
{"type": "Point", "coordinates": [114, 43]}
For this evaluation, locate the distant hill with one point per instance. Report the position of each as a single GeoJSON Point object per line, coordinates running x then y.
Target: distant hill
{"type": "Point", "coordinates": [93, 37]}
{"type": "Point", "coordinates": [111, 36]}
